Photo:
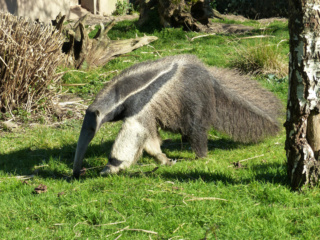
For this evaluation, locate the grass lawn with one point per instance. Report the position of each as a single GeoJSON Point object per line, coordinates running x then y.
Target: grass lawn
{"type": "Point", "coordinates": [208, 198]}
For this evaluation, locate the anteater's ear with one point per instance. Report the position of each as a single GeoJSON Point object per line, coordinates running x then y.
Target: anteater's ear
{"type": "Point", "coordinates": [97, 112]}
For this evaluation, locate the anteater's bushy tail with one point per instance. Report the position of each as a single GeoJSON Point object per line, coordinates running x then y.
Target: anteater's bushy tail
{"type": "Point", "coordinates": [244, 110]}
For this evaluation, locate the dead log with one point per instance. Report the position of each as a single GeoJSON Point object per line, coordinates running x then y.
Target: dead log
{"type": "Point", "coordinates": [79, 48]}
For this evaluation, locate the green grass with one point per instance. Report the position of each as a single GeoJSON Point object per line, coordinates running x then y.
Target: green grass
{"type": "Point", "coordinates": [206, 198]}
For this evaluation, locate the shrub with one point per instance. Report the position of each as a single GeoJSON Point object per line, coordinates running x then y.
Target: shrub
{"type": "Point", "coordinates": [123, 7]}
{"type": "Point", "coordinates": [29, 55]}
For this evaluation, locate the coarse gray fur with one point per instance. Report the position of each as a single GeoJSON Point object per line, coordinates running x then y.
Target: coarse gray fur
{"type": "Point", "coordinates": [182, 95]}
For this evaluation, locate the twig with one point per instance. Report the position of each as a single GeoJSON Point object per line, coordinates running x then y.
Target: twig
{"type": "Point", "coordinates": [118, 231]}
{"type": "Point", "coordinates": [283, 40]}
{"type": "Point", "coordinates": [201, 36]}
{"type": "Point", "coordinates": [73, 84]}
{"type": "Point", "coordinates": [85, 222]}
{"type": "Point", "coordinates": [108, 224]}
{"type": "Point", "coordinates": [179, 50]}
{"type": "Point", "coordinates": [69, 103]}
{"type": "Point", "coordinates": [128, 229]}
{"type": "Point", "coordinates": [71, 71]}
{"type": "Point", "coordinates": [184, 201]}
{"type": "Point", "coordinates": [251, 158]}
{"type": "Point", "coordinates": [205, 198]}
{"type": "Point", "coordinates": [174, 237]}
{"type": "Point", "coordinates": [210, 135]}
{"type": "Point", "coordinates": [180, 226]}
{"type": "Point", "coordinates": [243, 160]}
{"type": "Point", "coordinates": [142, 230]}
{"type": "Point", "coordinates": [4, 62]}
{"type": "Point", "coordinates": [118, 237]}
{"type": "Point", "coordinates": [95, 167]}
{"type": "Point", "coordinates": [10, 112]}
{"type": "Point", "coordinates": [23, 177]}
{"type": "Point", "coordinates": [154, 50]}
{"type": "Point", "coordinates": [257, 36]}
{"type": "Point", "coordinates": [9, 37]}
{"type": "Point", "coordinates": [41, 166]}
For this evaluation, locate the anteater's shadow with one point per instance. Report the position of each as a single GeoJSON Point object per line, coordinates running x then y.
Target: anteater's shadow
{"type": "Point", "coordinates": [30, 161]}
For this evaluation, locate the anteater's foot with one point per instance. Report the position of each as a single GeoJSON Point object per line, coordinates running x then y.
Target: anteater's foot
{"type": "Point", "coordinates": [109, 169]}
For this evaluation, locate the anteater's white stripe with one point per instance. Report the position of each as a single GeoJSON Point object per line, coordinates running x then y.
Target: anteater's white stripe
{"type": "Point", "coordinates": [142, 88]}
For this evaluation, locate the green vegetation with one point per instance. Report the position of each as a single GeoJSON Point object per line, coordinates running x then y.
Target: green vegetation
{"type": "Point", "coordinates": [209, 198]}
{"type": "Point", "coordinates": [123, 8]}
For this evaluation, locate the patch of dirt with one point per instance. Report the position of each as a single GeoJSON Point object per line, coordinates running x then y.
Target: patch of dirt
{"type": "Point", "coordinates": [238, 28]}
{"type": "Point", "coordinates": [228, 28]}
{"type": "Point", "coordinates": [240, 18]}
{"type": "Point", "coordinates": [270, 20]}
{"type": "Point", "coordinates": [235, 17]}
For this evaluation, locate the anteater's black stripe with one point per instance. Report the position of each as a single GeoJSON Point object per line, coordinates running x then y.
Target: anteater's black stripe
{"type": "Point", "coordinates": [135, 103]}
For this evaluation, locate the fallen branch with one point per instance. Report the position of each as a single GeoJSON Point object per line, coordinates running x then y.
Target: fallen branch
{"type": "Point", "coordinates": [205, 198]}
{"type": "Point", "coordinates": [73, 84]}
{"type": "Point", "coordinates": [201, 36]}
{"type": "Point", "coordinates": [23, 177]}
{"type": "Point", "coordinates": [258, 36]}
{"type": "Point", "coordinates": [108, 224]}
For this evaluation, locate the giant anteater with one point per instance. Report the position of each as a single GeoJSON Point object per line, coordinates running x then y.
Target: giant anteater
{"type": "Point", "coordinates": [182, 95]}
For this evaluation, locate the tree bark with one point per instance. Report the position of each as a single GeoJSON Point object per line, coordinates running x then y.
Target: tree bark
{"type": "Point", "coordinates": [192, 15]}
{"type": "Point", "coordinates": [302, 124]}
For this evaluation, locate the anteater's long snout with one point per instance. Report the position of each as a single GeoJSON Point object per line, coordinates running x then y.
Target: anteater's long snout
{"type": "Point", "coordinates": [89, 128]}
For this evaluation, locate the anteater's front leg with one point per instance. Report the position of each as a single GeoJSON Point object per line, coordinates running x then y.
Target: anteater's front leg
{"type": "Point", "coordinates": [152, 147]}
{"type": "Point", "coordinates": [127, 147]}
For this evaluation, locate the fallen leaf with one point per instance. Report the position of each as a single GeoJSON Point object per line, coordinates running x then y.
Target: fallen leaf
{"type": "Point", "coordinates": [9, 125]}
{"type": "Point", "coordinates": [25, 182]}
{"type": "Point", "coordinates": [83, 171]}
{"type": "Point", "coordinates": [61, 193]}
{"type": "Point", "coordinates": [237, 165]}
{"type": "Point", "coordinates": [40, 189]}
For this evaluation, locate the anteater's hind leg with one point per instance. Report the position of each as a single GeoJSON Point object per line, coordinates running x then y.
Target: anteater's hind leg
{"type": "Point", "coordinates": [127, 147]}
{"type": "Point", "coordinates": [152, 147]}
{"type": "Point", "coordinates": [199, 142]}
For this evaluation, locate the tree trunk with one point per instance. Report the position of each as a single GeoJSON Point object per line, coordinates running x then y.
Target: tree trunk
{"type": "Point", "coordinates": [302, 125]}
{"type": "Point", "coordinates": [190, 14]}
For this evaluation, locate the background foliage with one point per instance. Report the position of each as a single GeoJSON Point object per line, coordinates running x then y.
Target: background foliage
{"type": "Point", "coordinates": [254, 9]}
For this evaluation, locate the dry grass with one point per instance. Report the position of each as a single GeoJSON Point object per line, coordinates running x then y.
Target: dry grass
{"type": "Point", "coordinates": [29, 55]}
{"type": "Point", "coordinates": [260, 57]}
